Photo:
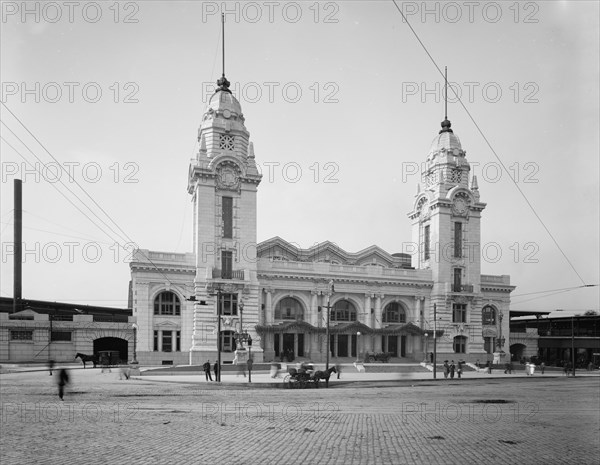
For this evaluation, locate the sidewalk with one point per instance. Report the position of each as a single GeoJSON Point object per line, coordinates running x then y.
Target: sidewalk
{"type": "Point", "coordinates": [349, 375]}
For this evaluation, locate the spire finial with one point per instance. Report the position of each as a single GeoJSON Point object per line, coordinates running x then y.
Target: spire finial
{"type": "Point", "coordinates": [446, 123]}
{"type": "Point", "coordinates": [223, 83]}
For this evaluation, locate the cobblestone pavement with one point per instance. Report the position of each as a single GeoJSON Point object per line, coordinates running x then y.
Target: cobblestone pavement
{"type": "Point", "coordinates": [104, 420]}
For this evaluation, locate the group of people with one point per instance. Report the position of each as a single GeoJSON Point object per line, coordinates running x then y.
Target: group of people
{"type": "Point", "coordinates": [450, 369]}
{"type": "Point", "coordinates": [206, 368]}
{"type": "Point", "coordinates": [241, 368]}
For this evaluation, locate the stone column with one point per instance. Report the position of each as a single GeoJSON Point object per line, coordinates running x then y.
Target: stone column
{"type": "Point", "coordinates": [314, 314]}
{"type": "Point", "coordinates": [269, 315]}
{"type": "Point", "coordinates": [378, 322]}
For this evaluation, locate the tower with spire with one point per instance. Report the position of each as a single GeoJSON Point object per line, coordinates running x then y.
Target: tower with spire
{"type": "Point", "coordinates": [223, 180]}
{"type": "Point", "coordinates": [446, 236]}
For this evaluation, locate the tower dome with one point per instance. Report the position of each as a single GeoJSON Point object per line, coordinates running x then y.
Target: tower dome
{"type": "Point", "coordinates": [224, 100]}
{"type": "Point", "coordinates": [446, 140]}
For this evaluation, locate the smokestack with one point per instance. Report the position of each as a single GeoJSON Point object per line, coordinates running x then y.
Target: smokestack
{"type": "Point", "coordinates": [18, 238]}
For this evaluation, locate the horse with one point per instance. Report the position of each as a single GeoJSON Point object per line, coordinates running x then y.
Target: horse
{"type": "Point", "coordinates": [323, 375]}
{"type": "Point", "coordinates": [87, 358]}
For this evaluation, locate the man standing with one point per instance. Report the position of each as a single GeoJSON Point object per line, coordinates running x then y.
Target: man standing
{"type": "Point", "coordinates": [206, 368]}
{"type": "Point", "coordinates": [216, 369]}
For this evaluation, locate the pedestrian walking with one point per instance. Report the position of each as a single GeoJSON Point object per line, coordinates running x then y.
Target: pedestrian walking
{"type": "Point", "coordinates": [452, 369]}
{"type": "Point", "coordinates": [338, 369]}
{"type": "Point", "coordinates": [63, 380]}
{"type": "Point", "coordinates": [249, 362]}
{"type": "Point", "coordinates": [274, 370]}
{"type": "Point", "coordinates": [566, 369]}
{"type": "Point", "coordinates": [206, 368]}
{"type": "Point", "coordinates": [459, 369]}
{"type": "Point", "coordinates": [216, 370]}
{"type": "Point", "coordinates": [488, 366]}
{"type": "Point", "coordinates": [542, 367]}
{"type": "Point", "coordinates": [446, 368]}
{"type": "Point", "coordinates": [50, 366]}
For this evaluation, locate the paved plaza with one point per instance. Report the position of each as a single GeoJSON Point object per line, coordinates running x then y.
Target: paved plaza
{"type": "Point", "coordinates": [173, 420]}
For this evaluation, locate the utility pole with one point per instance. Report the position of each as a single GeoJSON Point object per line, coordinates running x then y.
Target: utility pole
{"type": "Point", "coordinates": [331, 291]}
{"type": "Point", "coordinates": [434, 340]}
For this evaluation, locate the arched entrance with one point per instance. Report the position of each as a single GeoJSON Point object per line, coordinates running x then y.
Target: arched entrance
{"type": "Point", "coordinates": [517, 351]}
{"type": "Point", "coordinates": [112, 344]}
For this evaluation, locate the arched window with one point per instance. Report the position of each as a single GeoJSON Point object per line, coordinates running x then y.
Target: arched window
{"type": "Point", "coordinates": [343, 310]}
{"type": "Point", "coordinates": [227, 342]}
{"type": "Point", "coordinates": [488, 315]}
{"type": "Point", "coordinates": [460, 344]}
{"type": "Point", "coordinates": [394, 313]}
{"type": "Point", "coordinates": [167, 303]}
{"type": "Point", "coordinates": [289, 309]}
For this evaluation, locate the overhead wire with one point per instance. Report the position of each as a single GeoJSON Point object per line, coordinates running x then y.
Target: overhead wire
{"type": "Point", "coordinates": [74, 194]}
{"type": "Point", "coordinates": [490, 147]}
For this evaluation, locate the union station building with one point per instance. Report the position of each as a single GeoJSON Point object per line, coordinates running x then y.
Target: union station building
{"type": "Point", "coordinates": [281, 294]}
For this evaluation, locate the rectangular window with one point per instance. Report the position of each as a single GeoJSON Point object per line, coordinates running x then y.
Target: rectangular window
{"type": "Point", "coordinates": [457, 280]}
{"type": "Point", "coordinates": [459, 313]}
{"type": "Point", "coordinates": [227, 341]}
{"type": "Point", "coordinates": [155, 341]}
{"type": "Point", "coordinates": [488, 344]}
{"type": "Point", "coordinates": [178, 341]}
{"type": "Point", "coordinates": [426, 239]}
{"type": "Point", "coordinates": [21, 335]}
{"type": "Point", "coordinates": [64, 336]}
{"type": "Point", "coordinates": [167, 341]}
{"type": "Point", "coordinates": [228, 304]}
{"type": "Point", "coordinates": [227, 214]}
{"type": "Point", "coordinates": [457, 240]}
{"type": "Point", "coordinates": [227, 264]}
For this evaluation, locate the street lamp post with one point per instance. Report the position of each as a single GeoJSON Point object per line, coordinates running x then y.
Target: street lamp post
{"type": "Point", "coordinates": [134, 326]}
{"type": "Point", "coordinates": [426, 346]}
{"type": "Point", "coordinates": [242, 336]}
{"type": "Point", "coordinates": [219, 312]}
{"type": "Point", "coordinates": [357, 346]}
{"type": "Point", "coordinates": [331, 291]}
{"type": "Point", "coordinates": [434, 340]}
{"type": "Point", "coordinates": [573, 343]}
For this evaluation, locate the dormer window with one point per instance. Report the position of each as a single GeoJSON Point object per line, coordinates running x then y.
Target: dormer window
{"type": "Point", "coordinates": [227, 142]}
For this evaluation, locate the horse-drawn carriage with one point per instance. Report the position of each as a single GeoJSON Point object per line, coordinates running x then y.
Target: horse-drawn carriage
{"type": "Point", "coordinates": [306, 376]}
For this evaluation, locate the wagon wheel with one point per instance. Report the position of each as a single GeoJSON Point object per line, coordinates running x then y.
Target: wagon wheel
{"type": "Point", "coordinates": [302, 383]}
{"type": "Point", "coordinates": [371, 359]}
{"type": "Point", "coordinates": [288, 381]}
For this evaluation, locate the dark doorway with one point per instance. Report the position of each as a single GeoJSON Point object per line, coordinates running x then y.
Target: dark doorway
{"type": "Point", "coordinates": [402, 346]}
{"type": "Point", "coordinates": [276, 344]}
{"type": "Point", "coordinates": [353, 345]}
{"type": "Point", "coordinates": [288, 343]}
{"type": "Point", "coordinates": [390, 344]}
{"type": "Point", "coordinates": [300, 345]}
{"type": "Point", "coordinates": [342, 345]}
{"type": "Point", "coordinates": [112, 344]}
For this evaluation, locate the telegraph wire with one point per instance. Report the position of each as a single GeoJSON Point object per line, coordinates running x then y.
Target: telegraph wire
{"type": "Point", "coordinates": [492, 149]}
{"type": "Point", "coordinates": [53, 185]}
{"type": "Point", "coordinates": [68, 174]}
{"type": "Point", "coordinates": [555, 290]}
{"type": "Point", "coordinates": [78, 198]}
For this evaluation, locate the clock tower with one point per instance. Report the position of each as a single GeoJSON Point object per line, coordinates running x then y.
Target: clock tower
{"type": "Point", "coordinates": [223, 181]}
{"type": "Point", "coordinates": [446, 226]}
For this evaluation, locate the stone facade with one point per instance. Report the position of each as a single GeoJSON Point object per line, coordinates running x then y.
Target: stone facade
{"type": "Point", "coordinates": [28, 336]}
{"type": "Point", "coordinates": [280, 294]}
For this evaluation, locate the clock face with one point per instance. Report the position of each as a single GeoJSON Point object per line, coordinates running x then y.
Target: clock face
{"type": "Point", "coordinates": [226, 113]}
{"type": "Point", "coordinates": [459, 205]}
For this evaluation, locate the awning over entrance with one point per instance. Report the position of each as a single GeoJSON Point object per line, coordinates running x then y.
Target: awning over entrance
{"type": "Point", "coordinates": [344, 328]}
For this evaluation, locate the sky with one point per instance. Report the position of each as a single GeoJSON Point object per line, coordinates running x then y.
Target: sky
{"type": "Point", "coordinates": [342, 101]}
